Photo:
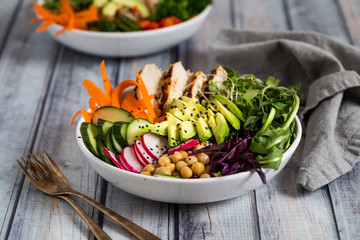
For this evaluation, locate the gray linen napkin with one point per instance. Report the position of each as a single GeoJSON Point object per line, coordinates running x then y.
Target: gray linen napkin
{"type": "Point", "coordinates": [329, 73]}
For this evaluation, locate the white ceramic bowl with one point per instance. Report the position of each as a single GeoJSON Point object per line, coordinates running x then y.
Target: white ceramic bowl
{"type": "Point", "coordinates": [129, 44]}
{"type": "Point", "coordinates": [185, 191]}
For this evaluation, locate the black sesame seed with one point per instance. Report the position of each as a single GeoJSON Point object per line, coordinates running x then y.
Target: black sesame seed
{"type": "Point", "coordinates": [185, 131]}
{"type": "Point", "coordinates": [147, 158]}
{"type": "Point", "coordinates": [157, 146]}
{"type": "Point", "coordinates": [151, 149]}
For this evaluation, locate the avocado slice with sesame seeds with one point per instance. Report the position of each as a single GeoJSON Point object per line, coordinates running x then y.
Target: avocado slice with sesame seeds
{"type": "Point", "coordinates": [187, 130]}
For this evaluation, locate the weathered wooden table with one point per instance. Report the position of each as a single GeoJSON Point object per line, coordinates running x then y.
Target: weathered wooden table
{"type": "Point", "coordinates": [40, 84]}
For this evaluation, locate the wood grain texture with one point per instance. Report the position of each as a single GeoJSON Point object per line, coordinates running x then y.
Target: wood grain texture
{"type": "Point", "coordinates": [7, 15]}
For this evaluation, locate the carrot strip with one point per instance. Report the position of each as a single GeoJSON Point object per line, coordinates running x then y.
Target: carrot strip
{"type": "Point", "coordinates": [44, 26]}
{"type": "Point", "coordinates": [146, 97]}
{"type": "Point", "coordinates": [119, 89]}
{"type": "Point", "coordinates": [142, 115]}
{"type": "Point", "coordinates": [96, 93]}
{"type": "Point", "coordinates": [106, 80]}
{"type": "Point", "coordinates": [92, 104]}
{"type": "Point", "coordinates": [86, 116]}
{"type": "Point", "coordinates": [160, 119]}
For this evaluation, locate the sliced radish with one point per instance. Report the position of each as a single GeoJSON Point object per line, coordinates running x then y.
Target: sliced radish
{"type": "Point", "coordinates": [141, 154]}
{"type": "Point", "coordinates": [154, 145]}
{"type": "Point", "coordinates": [112, 156]}
{"type": "Point", "coordinates": [130, 160]}
{"type": "Point", "coordinates": [121, 162]}
{"type": "Point", "coordinates": [184, 146]}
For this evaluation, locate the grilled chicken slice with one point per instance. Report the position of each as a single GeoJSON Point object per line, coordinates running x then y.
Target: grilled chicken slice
{"type": "Point", "coordinates": [152, 76]}
{"type": "Point", "coordinates": [174, 82]}
{"type": "Point", "coordinates": [218, 76]}
{"type": "Point", "coordinates": [196, 83]}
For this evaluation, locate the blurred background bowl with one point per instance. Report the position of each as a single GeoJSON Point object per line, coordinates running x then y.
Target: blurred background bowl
{"type": "Point", "coordinates": [184, 191]}
{"type": "Point", "coordinates": [129, 44]}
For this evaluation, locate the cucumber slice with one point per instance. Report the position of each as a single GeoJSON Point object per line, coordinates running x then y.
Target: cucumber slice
{"type": "Point", "coordinates": [107, 141]}
{"type": "Point", "coordinates": [103, 127]}
{"type": "Point", "coordinates": [115, 144]}
{"type": "Point", "coordinates": [100, 146]}
{"type": "Point", "coordinates": [111, 114]}
{"type": "Point", "coordinates": [89, 134]}
{"type": "Point", "coordinates": [136, 129]}
{"type": "Point", "coordinates": [120, 131]}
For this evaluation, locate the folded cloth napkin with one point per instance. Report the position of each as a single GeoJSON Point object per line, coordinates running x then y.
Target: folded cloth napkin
{"type": "Point", "coordinates": [329, 73]}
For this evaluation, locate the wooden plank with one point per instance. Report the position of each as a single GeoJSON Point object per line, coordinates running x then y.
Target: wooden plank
{"type": "Point", "coordinates": [23, 87]}
{"type": "Point", "coordinates": [321, 16]}
{"type": "Point", "coordinates": [193, 52]}
{"type": "Point", "coordinates": [7, 14]}
{"type": "Point", "coordinates": [350, 10]}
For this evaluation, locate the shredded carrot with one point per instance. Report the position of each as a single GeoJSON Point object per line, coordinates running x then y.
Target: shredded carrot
{"type": "Point", "coordinates": [66, 17]}
{"type": "Point", "coordinates": [119, 89]}
{"type": "Point", "coordinates": [106, 80]}
{"type": "Point", "coordinates": [146, 98]}
{"type": "Point", "coordinates": [86, 116]}
{"type": "Point", "coordinates": [92, 104]}
{"type": "Point", "coordinates": [160, 119]}
{"type": "Point", "coordinates": [139, 108]}
{"type": "Point", "coordinates": [96, 93]}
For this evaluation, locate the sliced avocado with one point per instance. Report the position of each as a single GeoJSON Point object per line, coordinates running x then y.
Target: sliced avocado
{"type": "Point", "coordinates": [229, 105]}
{"type": "Point", "coordinates": [212, 122]}
{"type": "Point", "coordinates": [233, 120]}
{"type": "Point", "coordinates": [221, 130]}
{"type": "Point", "coordinates": [99, 3]}
{"type": "Point", "coordinates": [173, 130]}
{"type": "Point", "coordinates": [134, 3]}
{"type": "Point", "coordinates": [109, 10]}
{"type": "Point", "coordinates": [180, 114]}
{"type": "Point", "coordinates": [203, 130]}
{"type": "Point", "coordinates": [198, 107]}
{"type": "Point", "coordinates": [160, 128]}
{"type": "Point", "coordinates": [187, 130]}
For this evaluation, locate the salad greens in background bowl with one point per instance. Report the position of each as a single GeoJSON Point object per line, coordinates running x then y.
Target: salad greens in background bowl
{"type": "Point", "coordinates": [232, 133]}
{"type": "Point", "coordinates": [121, 28]}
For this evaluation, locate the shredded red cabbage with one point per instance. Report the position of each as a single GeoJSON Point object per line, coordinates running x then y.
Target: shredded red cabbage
{"type": "Point", "coordinates": [233, 157]}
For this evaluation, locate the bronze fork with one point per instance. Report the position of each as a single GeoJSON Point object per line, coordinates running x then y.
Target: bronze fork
{"type": "Point", "coordinates": [53, 182]}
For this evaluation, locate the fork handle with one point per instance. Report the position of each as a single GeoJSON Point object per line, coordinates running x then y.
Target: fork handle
{"type": "Point", "coordinates": [98, 232]}
{"type": "Point", "coordinates": [133, 228]}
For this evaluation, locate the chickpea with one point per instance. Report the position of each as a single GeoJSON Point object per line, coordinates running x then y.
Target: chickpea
{"type": "Point", "coordinates": [207, 169]}
{"type": "Point", "coordinates": [149, 168]}
{"type": "Point", "coordinates": [186, 172]}
{"type": "Point", "coordinates": [163, 171]}
{"type": "Point", "coordinates": [180, 165]}
{"type": "Point", "coordinates": [177, 156]}
{"type": "Point", "coordinates": [164, 160]}
{"type": "Point", "coordinates": [183, 153]}
{"type": "Point", "coordinates": [189, 152]}
{"type": "Point", "coordinates": [198, 168]}
{"type": "Point", "coordinates": [175, 174]}
{"type": "Point", "coordinates": [205, 175]}
{"type": "Point", "coordinates": [171, 166]}
{"type": "Point", "coordinates": [197, 147]}
{"type": "Point", "coordinates": [145, 173]}
{"type": "Point", "coordinates": [191, 160]}
{"type": "Point", "coordinates": [203, 158]}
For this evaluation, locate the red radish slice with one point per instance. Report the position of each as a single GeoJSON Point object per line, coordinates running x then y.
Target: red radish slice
{"type": "Point", "coordinates": [154, 145]}
{"type": "Point", "coordinates": [129, 159]}
{"type": "Point", "coordinates": [121, 162]}
{"type": "Point", "coordinates": [138, 156]}
{"type": "Point", "coordinates": [143, 155]}
{"type": "Point", "coordinates": [112, 156]}
{"type": "Point", "coordinates": [184, 146]}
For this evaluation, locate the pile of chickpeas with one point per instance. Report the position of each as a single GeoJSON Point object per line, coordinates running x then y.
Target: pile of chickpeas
{"type": "Point", "coordinates": [179, 164]}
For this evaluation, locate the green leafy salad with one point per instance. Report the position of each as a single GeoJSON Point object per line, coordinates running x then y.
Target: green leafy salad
{"type": "Point", "coordinates": [269, 112]}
